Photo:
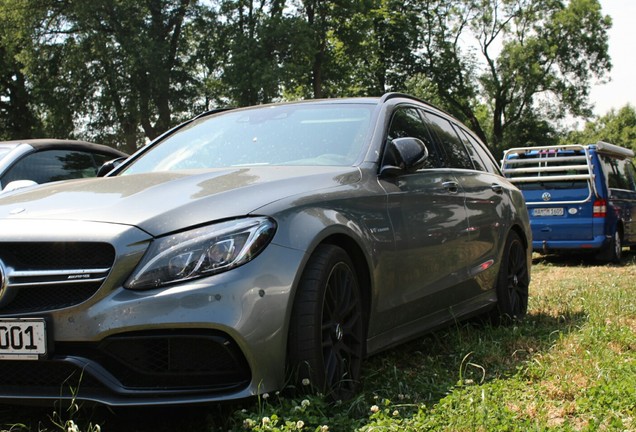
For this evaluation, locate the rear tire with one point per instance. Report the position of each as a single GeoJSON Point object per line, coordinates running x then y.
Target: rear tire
{"type": "Point", "coordinates": [615, 248]}
{"type": "Point", "coordinates": [327, 329]}
{"type": "Point", "coordinates": [512, 282]}
{"type": "Point", "coordinates": [612, 252]}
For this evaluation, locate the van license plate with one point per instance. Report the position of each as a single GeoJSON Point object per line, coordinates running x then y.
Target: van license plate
{"type": "Point", "coordinates": [552, 211]}
{"type": "Point", "coordinates": [22, 339]}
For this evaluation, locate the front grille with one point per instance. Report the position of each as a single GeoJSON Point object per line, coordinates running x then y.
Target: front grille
{"type": "Point", "coordinates": [56, 256]}
{"type": "Point", "coordinates": [48, 276]}
{"type": "Point", "coordinates": [47, 297]}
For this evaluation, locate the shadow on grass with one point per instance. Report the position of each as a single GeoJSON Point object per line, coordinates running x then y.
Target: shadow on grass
{"type": "Point", "coordinates": [427, 369]}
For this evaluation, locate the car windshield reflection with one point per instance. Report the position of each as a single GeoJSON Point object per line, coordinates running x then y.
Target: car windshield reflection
{"type": "Point", "coordinates": [280, 135]}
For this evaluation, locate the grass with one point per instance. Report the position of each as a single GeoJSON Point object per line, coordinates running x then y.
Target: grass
{"type": "Point", "coordinates": [570, 366]}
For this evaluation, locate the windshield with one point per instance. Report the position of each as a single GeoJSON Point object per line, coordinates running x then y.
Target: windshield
{"type": "Point", "coordinates": [300, 134]}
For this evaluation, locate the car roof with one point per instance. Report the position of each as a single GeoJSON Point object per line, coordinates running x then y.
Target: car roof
{"type": "Point", "coordinates": [369, 100]}
{"type": "Point", "coordinates": [51, 143]}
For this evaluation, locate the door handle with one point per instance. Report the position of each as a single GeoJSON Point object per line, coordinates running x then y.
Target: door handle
{"type": "Point", "coordinates": [451, 186]}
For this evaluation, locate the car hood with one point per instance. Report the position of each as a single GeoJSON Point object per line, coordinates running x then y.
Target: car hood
{"type": "Point", "coordinates": [164, 202]}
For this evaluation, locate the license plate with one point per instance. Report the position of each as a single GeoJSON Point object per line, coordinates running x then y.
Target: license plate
{"type": "Point", "coordinates": [552, 211]}
{"type": "Point", "coordinates": [22, 339]}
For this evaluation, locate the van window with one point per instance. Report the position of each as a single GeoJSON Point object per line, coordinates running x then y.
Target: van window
{"type": "Point", "coordinates": [619, 174]}
{"type": "Point", "coordinates": [631, 175]}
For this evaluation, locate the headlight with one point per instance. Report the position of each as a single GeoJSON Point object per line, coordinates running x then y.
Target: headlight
{"type": "Point", "coordinates": [201, 252]}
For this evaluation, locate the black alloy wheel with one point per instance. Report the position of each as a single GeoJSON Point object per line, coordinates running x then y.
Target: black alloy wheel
{"type": "Point", "coordinates": [513, 281]}
{"type": "Point", "coordinates": [327, 331]}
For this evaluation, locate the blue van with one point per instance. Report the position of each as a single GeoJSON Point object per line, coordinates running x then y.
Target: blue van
{"type": "Point", "coordinates": [580, 197]}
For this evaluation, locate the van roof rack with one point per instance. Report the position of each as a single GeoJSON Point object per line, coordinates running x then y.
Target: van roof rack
{"type": "Point", "coordinates": [547, 163]}
{"type": "Point", "coordinates": [556, 162]}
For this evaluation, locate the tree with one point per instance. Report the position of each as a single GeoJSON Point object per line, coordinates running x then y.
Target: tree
{"type": "Point", "coordinates": [17, 120]}
{"type": "Point", "coordinates": [535, 56]}
{"type": "Point", "coordinates": [112, 70]}
{"type": "Point", "coordinates": [121, 72]}
{"type": "Point", "coordinates": [379, 45]}
{"type": "Point", "coordinates": [18, 101]}
{"type": "Point", "coordinates": [258, 50]}
{"type": "Point", "coordinates": [616, 127]}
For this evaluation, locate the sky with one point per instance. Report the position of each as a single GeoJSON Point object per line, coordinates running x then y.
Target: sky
{"type": "Point", "coordinates": [621, 89]}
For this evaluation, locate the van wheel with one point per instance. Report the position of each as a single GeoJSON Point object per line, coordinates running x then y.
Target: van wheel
{"type": "Point", "coordinates": [512, 282]}
{"type": "Point", "coordinates": [615, 248]}
{"type": "Point", "coordinates": [327, 331]}
{"type": "Point", "coordinates": [613, 251]}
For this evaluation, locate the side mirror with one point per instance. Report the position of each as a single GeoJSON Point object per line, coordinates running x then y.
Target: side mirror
{"type": "Point", "coordinates": [404, 155]}
{"type": "Point", "coordinates": [109, 166]}
{"type": "Point", "coordinates": [18, 184]}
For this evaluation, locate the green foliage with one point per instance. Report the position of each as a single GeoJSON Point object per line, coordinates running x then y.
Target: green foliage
{"type": "Point", "coordinates": [550, 52]}
{"type": "Point", "coordinates": [616, 127]}
{"type": "Point", "coordinates": [17, 111]}
{"type": "Point", "coordinates": [122, 72]}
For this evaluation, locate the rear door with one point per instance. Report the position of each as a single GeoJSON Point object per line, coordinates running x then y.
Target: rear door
{"type": "Point", "coordinates": [482, 190]}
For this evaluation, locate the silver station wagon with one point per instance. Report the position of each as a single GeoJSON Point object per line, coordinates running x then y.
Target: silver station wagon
{"type": "Point", "coordinates": [252, 249]}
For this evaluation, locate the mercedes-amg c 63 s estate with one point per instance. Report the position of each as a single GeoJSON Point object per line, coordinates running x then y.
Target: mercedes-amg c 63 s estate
{"type": "Point", "coordinates": [251, 249]}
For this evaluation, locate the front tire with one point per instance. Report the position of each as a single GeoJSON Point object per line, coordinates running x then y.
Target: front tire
{"type": "Point", "coordinates": [513, 281]}
{"type": "Point", "coordinates": [327, 331]}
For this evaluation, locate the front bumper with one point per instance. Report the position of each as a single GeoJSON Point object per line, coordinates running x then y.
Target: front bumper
{"type": "Point", "coordinates": [217, 338]}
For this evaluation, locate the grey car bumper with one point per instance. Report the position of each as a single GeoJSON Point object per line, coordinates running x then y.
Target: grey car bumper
{"type": "Point", "coordinates": [217, 338]}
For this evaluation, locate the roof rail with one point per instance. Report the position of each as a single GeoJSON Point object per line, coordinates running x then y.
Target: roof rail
{"type": "Point", "coordinates": [393, 95]}
{"type": "Point", "coordinates": [213, 111]}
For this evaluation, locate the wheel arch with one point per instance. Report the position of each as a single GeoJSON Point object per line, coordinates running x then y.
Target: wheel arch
{"type": "Point", "coordinates": [359, 259]}
{"type": "Point", "coordinates": [620, 227]}
{"type": "Point", "coordinates": [340, 237]}
{"type": "Point", "coordinates": [315, 226]}
{"type": "Point", "coordinates": [522, 235]}
{"type": "Point", "coordinates": [526, 239]}
{"type": "Point", "coordinates": [296, 347]}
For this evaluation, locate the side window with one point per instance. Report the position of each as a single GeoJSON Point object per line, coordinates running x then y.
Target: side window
{"type": "Point", "coordinates": [487, 161]}
{"type": "Point", "coordinates": [456, 153]}
{"type": "Point", "coordinates": [406, 122]}
{"type": "Point", "coordinates": [100, 159]}
{"type": "Point", "coordinates": [631, 175]}
{"type": "Point", "coordinates": [52, 165]}
{"type": "Point", "coordinates": [615, 173]}
{"type": "Point", "coordinates": [477, 162]}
